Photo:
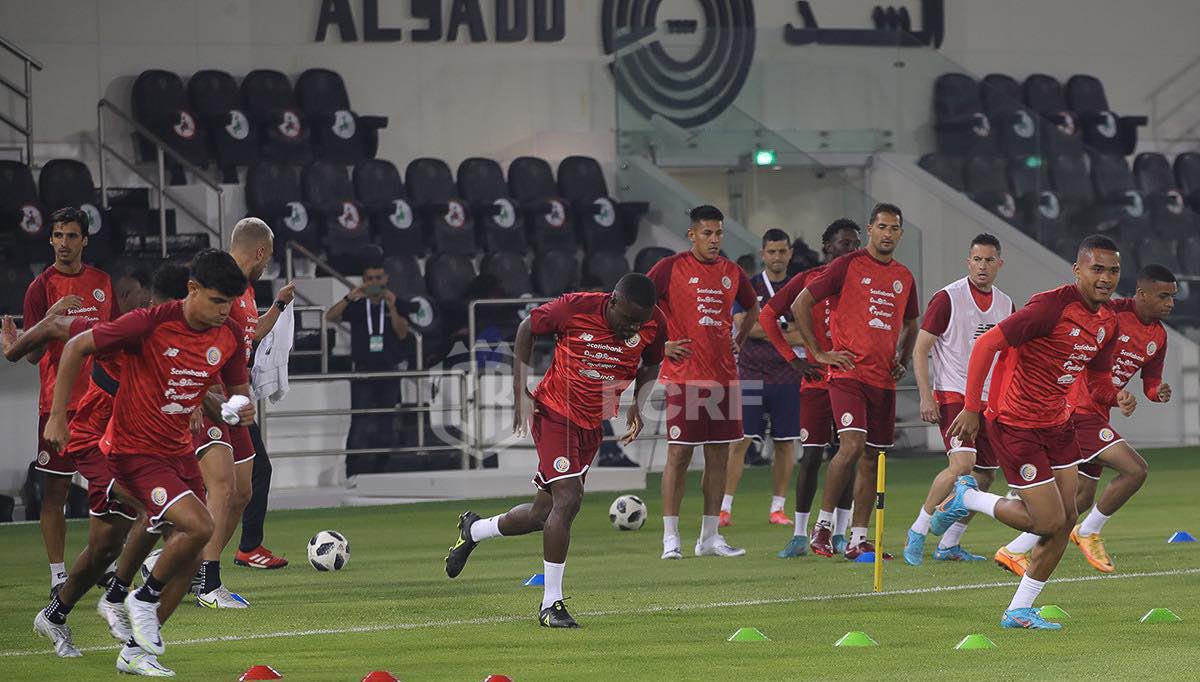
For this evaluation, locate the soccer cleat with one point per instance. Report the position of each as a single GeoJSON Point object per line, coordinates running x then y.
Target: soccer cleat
{"type": "Point", "coordinates": [456, 558]}
{"type": "Point", "coordinates": [717, 546]}
{"type": "Point", "coordinates": [725, 519]}
{"type": "Point", "coordinates": [797, 546]}
{"type": "Point", "coordinates": [143, 621]}
{"type": "Point", "coordinates": [822, 540]}
{"type": "Point", "coordinates": [135, 660]}
{"type": "Point", "coordinates": [671, 548]}
{"type": "Point", "coordinates": [914, 549]}
{"type": "Point", "coordinates": [779, 518]}
{"type": "Point", "coordinates": [955, 553]}
{"type": "Point", "coordinates": [556, 616]}
{"type": "Point", "coordinates": [222, 598]}
{"type": "Point", "coordinates": [1012, 562]}
{"type": "Point", "coordinates": [1027, 618]}
{"type": "Point", "coordinates": [855, 551]}
{"type": "Point", "coordinates": [259, 557]}
{"type": "Point", "coordinates": [117, 618]}
{"type": "Point", "coordinates": [952, 508]}
{"type": "Point", "coordinates": [60, 635]}
{"type": "Point", "coordinates": [839, 543]}
{"type": "Point", "coordinates": [1093, 550]}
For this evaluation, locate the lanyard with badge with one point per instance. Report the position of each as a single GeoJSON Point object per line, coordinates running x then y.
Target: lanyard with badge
{"type": "Point", "coordinates": [375, 341]}
{"type": "Point", "coordinates": [798, 350]}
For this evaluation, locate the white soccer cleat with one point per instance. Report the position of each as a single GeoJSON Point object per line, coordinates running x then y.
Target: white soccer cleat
{"type": "Point", "coordinates": [717, 546]}
{"type": "Point", "coordinates": [222, 598]}
{"type": "Point", "coordinates": [671, 548]}
{"type": "Point", "coordinates": [137, 661]}
{"type": "Point", "coordinates": [117, 618]}
{"type": "Point", "coordinates": [60, 635]}
{"type": "Point", "coordinates": [143, 621]}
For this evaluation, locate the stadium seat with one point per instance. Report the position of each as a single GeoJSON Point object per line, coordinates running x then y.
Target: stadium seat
{"type": "Point", "coordinates": [232, 139]}
{"type": "Point", "coordinates": [160, 104]}
{"type": "Point", "coordinates": [547, 221]}
{"type": "Point", "coordinates": [14, 280]}
{"type": "Point", "coordinates": [380, 190]}
{"type": "Point", "coordinates": [1115, 188]}
{"type": "Point", "coordinates": [447, 218]}
{"type": "Point", "coordinates": [1103, 130]}
{"type": "Point", "coordinates": [1040, 209]}
{"type": "Point", "coordinates": [283, 133]}
{"type": "Point", "coordinates": [647, 257]}
{"type": "Point", "coordinates": [447, 276]}
{"type": "Point", "coordinates": [987, 184]}
{"type": "Point", "coordinates": [602, 223]}
{"type": "Point", "coordinates": [1016, 128]}
{"type": "Point", "coordinates": [945, 167]}
{"type": "Point", "coordinates": [66, 182]}
{"type": "Point", "coordinates": [1044, 95]}
{"type": "Point", "coordinates": [1187, 175]}
{"type": "Point", "coordinates": [510, 271]}
{"type": "Point", "coordinates": [958, 119]}
{"type": "Point", "coordinates": [404, 274]}
{"type": "Point", "coordinates": [273, 193]}
{"type": "Point", "coordinates": [344, 223]}
{"type": "Point", "coordinates": [481, 183]}
{"type": "Point", "coordinates": [555, 272]}
{"type": "Point", "coordinates": [607, 267]}
{"type": "Point", "coordinates": [23, 219]}
{"type": "Point", "coordinates": [1168, 211]}
{"type": "Point", "coordinates": [338, 133]}
{"type": "Point", "coordinates": [1071, 178]}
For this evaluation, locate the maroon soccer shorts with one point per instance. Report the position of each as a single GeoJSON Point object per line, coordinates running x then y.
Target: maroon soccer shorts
{"type": "Point", "coordinates": [703, 412]}
{"type": "Point", "coordinates": [564, 449]}
{"type": "Point", "coordinates": [1094, 435]}
{"type": "Point", "coordinates": [1091, 469]}
{"type": "Point", "coordinates": [1030, 456]}
{"type": "Point", "coordinates": [158, 482]}
{"type": "Point", "coordinates": [48, 459]}
{"type": "Point", "coordinates": [243, 445]}
{"type": "Point", "coordinates": [985, 457]}
{"type": "Point", "coordinates": [860, 407]}
{"type": "Point", "coordinates": [212, 433]}
{"type": "Point", "coordinates": [816, 417]}
{"type": "Point", "coordinates": [93, 465]}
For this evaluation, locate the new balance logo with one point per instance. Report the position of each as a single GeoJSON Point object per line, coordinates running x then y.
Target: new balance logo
{"type": "Point", "coordinates": [1075, 331]}
{"type": "Point", "coordinates": [866, 280]}
{"type": "Point", "coordinates": [981, 329]}
{"type": "Point", "coordinates": [170, 352]}
{"type": "Point", "coordinates": [694, 280]}
{"type": "Point", "coordinates": [1124, 338]}
{"type": "Point", "coordinates": [586, 337]}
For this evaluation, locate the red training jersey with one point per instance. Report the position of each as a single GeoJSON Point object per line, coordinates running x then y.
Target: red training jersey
{"type": "Point", "coordinates": [592, 366]}
{"type": "Point", "coordinates": [1139, 346]}
{"type": "Point", "coordinates": [822, 311]}
{"type": "Point", "coordinates": [94, 410]}
{"type": "Point", "coordinates": [874, 300]}
{"type": "Point", "coordinates": [1052, 340]}
{"type": "Point", "coordinates": [244, 314]}
{"type": "Point", "coordinates": [168, 368]}
{"type": "Point", "coordinates": [95, 288]}
{"type": "Point", "coordinates": [697, 299]}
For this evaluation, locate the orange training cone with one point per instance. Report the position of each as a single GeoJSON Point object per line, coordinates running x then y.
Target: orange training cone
{"type": "Point", "coordinates": [260, 672]}
{"type": "Point", "coordinates": [380, 676]}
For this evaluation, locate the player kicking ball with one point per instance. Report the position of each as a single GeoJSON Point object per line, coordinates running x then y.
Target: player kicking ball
{"type": "Point", "coordinates": [602, 342]}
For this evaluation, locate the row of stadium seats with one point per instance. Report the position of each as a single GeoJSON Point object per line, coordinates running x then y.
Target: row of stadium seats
{"type": "Point", "coordinates": [26, 205]}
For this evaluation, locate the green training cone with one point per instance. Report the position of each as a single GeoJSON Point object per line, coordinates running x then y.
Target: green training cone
{"type": "Point", "coordinates": [748, 635]}
{"type": "Point", "coordinates": [1053, 611]}
{"type": "Point", "coordinates": [1160, 616]}
{"type": "Point", "coordinates": [856, 639]}
{"type": "Point", "coordinates": [971, 642]}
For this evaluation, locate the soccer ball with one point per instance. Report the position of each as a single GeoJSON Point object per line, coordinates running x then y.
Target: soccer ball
{"type": "Point", "coordinates": [148, 564]}
{"type": "Point", "coordinates": [328, 550]}
{"type": "Point", "coordinates": [627, 512]}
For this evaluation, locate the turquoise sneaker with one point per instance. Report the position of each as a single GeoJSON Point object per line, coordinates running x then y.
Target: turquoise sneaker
{"type": "Point", "coordinates": [952, 508]}
{"type": "Point", "coordinates": [955, 553]}
{"type": "Point", "coordinates": [1027, 618]}
{"type": "Point", "coordinates": [839, 544]}
{"type": "Point", "coordinates": [797, 546]}
{"type": "Point", "coordinates": [914, 549]}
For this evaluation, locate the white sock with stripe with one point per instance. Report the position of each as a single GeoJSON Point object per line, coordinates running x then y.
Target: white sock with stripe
{"type": "Point", "coordinates": [1027, 591]}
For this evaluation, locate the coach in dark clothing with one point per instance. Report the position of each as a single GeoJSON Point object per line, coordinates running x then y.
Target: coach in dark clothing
{"type": "Point", "coordinates": [377, 327]}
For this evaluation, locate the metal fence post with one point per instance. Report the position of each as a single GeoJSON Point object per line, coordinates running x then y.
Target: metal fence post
{"type": "Point", "coordinates": [162, 204]}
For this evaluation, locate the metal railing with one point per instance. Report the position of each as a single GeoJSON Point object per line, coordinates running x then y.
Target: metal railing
{"type": "Point", "coordinates": [25, 92]}
{"type": "Point", "coordinates": [159, 184]}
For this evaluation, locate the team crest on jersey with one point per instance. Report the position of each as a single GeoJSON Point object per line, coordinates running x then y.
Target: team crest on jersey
{"type": "Point", "coordinates": [1100, 336]}
{"type": "Point", "coordinates": [159, 495]}
{"type": "Point", "coordinates": [98, 294]}
{"type": "Point", "coordinates": [1106, 435]}
{"type": "Point", "coordinates": [955, 442]}
{"type": "Point", "coordinates": [897, 286]}
{"type": "Point", "coordinates": [847, 419]}
{"type": "Point", "coordinates": [561, 464]}
{"type": "Point", "coordinates": [1151, 348]}
{"type": "Point", "coordinates": [675, 431]}
{"type": "Point", "coordinates": [726, 282]}
{"type": "Point", "coordinates": [633, 341]}
{"type": "Point", "coordinates": [1028, 472]}
{"type": "Point", "coordinates": [803, 435]}
{"type": "Point", "coordinates": [213, 355]}
{"type": "Point", "coordinates": [43, 458]}
{"type": "Point", "coordinates": [214, 433]}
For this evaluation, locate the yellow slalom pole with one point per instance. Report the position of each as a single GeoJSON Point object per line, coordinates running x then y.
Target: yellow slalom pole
{"type": "Point", "coordinates": [880, 478]}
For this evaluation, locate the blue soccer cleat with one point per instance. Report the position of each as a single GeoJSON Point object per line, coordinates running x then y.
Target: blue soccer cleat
{"type": "Point", "coordinates": [839, 544]}
{"type": "Point", "coordinates": [797, 546]}
{"type": "Point", "coordinates": [955, 553]}
{"type": "Point", "coordinates": [1028, 619]}
{"type": "Point", "coordinates": [914, 549]}
{"type": "Point", "coordinates": [952, 508]}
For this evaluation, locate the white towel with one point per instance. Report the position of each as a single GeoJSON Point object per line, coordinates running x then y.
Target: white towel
{"type": "Point", "coordinates": [269, 376]}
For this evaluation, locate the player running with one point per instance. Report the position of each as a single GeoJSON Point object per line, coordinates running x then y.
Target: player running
{"type": "Point", "coordinates": [816, 415]}
{"type": "Point", "coordinates": [1061, 336]}
{"type": "Point", "coordinates": [956, 316]}
{"type": "Point", "coordinates": [696, 291]}
{"type": "Point", "coordinates": [1141, 345]}
{"type": "Point", "coordinates": [602, 342]}
{"type": "Point", "coordinates": [876, 309]}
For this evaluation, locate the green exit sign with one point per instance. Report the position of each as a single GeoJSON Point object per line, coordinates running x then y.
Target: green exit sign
{"type": "Point", "coordinates": [764, 157]}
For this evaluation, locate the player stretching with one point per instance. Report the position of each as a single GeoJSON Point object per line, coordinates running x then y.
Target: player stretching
{"type": "Point", "coordinates": [1141, 345]}
{"type": "Point", "coordinates": [1059, 337]}
{"type": "Point", "coordinates": [816, 415]}
{"type": "Point", "coordinates": [148, 439]}
{"type": "Point", "coordinates": [67, 287]}
{"type": "Point", "coordinates": [602, 342]}
{"type": "Point", "coordinates": [955, 317]}
{"type": "Point", "coordinates": [696, 291]}
{"type": "Point", "coordinates": [876, 308]}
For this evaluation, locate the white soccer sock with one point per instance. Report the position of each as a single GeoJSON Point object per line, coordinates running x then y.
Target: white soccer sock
{"type": "Point", "coordinates": [553, 574]}
{"type": "Point", "coordinates": [1094, 522]}
{"type": "Point", "coordinates": [486, 528]}
{"type": "Point", "coordinates": [841, 519]}
{"type": "Point", "coordinates": [952, 535]}
{"type": "Point", "coordinates": [777, 503]}
{"type": "Point", "coordinates": [921, 525]}
{"type": "Point", "coordinates": [1027, 591]}
{"type": "Point", "coordinates": [858, 534]}
{"type": "Point", "coordinates": [825, 517]}
{"type": "Point", "coordinates": [979, 501]}
{"type": "Point", "coordinates": [670, 529]}
{"type": "Point", "coordinates": [708, 527]}
{"type": "Point", "coordinates": [727, 504]}
{"type": "Point", "coordinates": [58, 574]}
{"type": "Point", "coordinates": [801, 527]}
{"type": "Point", "coordinates": [1023, 543]}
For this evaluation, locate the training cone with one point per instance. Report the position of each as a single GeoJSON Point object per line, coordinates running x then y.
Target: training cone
{"type": "Point", "coordinates": [865, 558]}
{"type": "Point", "coordinates": [1053, 611]}
{"type": "Point", "coordinates": [972, 642]}
{"type": "Point", "coordinates": [380, 676]}
{"type": "Point", "coordinates": [535, 579]}
{"type": "Point", "coordinates": [497, 678]}
{"type": "Point", "coordinates": [1160, 616]}
{"type": "Point", "coordinates": [748, 635]}
{"type": "Point", "coordinates": [856, 639]}
{"type": "Point", "coordinates": [260, 672]}
{"type": "Point", "coordinates": [1181, 536]}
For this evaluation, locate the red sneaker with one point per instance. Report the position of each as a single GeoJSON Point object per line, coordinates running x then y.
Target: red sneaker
{"type": "Point", "coordinates": [822, 541]}
{"type": "Point", "coordinates": [861, 548]}
{"type": "Point", "coordinates": [259, 557]}
{"type": "Point", "coordinates": [726, 519]}
{"type": "Point", "coordinates": [780, 518]}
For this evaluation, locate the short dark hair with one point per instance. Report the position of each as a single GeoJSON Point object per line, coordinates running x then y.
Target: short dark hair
{"type": "Point", "coordinates": [884, 207]}
{"type": "Point", "coordinates": [837, 226]}
{"type": "Point", "coordinates": [985, 239]}
{"type": "Point", "coordinates": [213, 269]}
{"type": "Point", "coordinates": [638, 289]}
{"type": "Point", "coordinates": [70, 214]}
{"type": "Point", "coordinates": [775, 235]}
{"type": "Point", "coordinates": [1097, 242]}
{"type": "Point", "coordinates": [170, 281]}
{"type": "Point", "coordinates": [140, 276]}
{"type": "Point", "coordinates": [1153, 272]}
{"type": "Point", "coordinates": [705, 212]}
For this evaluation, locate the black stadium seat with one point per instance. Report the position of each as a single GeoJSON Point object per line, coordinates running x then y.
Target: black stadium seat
{"type": "Point", "coordinates": [603, 224]}
{"type": "Point", "coordinates": [1040, 209]}
{"type": "Point", "coordinates": [481, 183]}
{"type": "Point", "coordinates": [547, 220]}
{"type": "Point", "coordinates": [1103, 130]}
{"type": "Point", "coordinates": [14, 280]}
{"type": "Point", "coordinates": [647, 257]}
{"type": "Point", "coordinates": [160, 104]}
{"type": "Point", "coordinates": [555, 272]}
{"type": "Point", "coordinates": [1045, 96]}
{"type": "Point", "coordinates": [510, 272]}
{"type": "Point", "coordinates": [1187, 175]}
{"type": "Point", "coordinates": [380, 190]}
{"type": "Point", "coordinates": [23, 220]}
{"type": "Point", "coordinates": [339, 134]}
{"type": "Point", "coordinates": [344, 222]}
{"type": "Point", "coordinates": [1016, 127]}
{"type": "Point", "coordinates": [1115, 188]}
{"type": "Point", "coordinates": [273, 193]}
{"type": "Point", "coordinates": [958, 119]}
{"type": "Point", "coordinates": [1169, 212]}
{"type": "Point", "coordinates": [404, 274]}
{"type": "Point", "coordinates": [232, 138]}
{"type": "Point", "coordinates": [449, 224]}
{"type": "Point", "coordinates": [283, 134]}
{"type": "Point", "coordinates": [447, 276]}
{"type": "Point", "coordinates": [67, 182]}
{"type": "Point", "coordinates": [945, 167]}
{"type": "Point", "coordinates": [986, 181]}
{"type": "Point", "coordinates": [1071, 178]}
{"type": "Point", "coordinates": [607, 267]}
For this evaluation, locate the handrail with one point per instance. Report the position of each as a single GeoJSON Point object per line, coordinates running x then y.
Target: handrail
{"type": "Point", "coordinates": [25, 93]}
{"type": "Point", "coordinates": [13, 48]}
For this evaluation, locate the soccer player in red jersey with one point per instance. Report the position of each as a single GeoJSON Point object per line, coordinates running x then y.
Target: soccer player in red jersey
{"type": "Point", "coordinates": [876, 309]}
{"type": "Point", "coordinates": [67, 287]}
{"type": "Point", "coordinates": [1060, 337]}
{"type": "Point", "coordinates": [602, 342]}
{"type": "Point", "coordinates": [1141, 346]}
{"type": "Point", "coordinates": [696, 291]}
{"type": "Point", "coordinates": [816, 415]}
{"type": "Point", "coordinates": [148, 439]}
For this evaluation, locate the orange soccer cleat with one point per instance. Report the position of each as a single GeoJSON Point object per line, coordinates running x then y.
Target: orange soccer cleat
{"type": "Point", "coordinates": [780, 518]}
{"type": "Point", "coordinates": [1012, 562]}
{"type": "Point", "coordinates": [726, 519]}
{"type": "Point", "coordinates": [1093, 550]}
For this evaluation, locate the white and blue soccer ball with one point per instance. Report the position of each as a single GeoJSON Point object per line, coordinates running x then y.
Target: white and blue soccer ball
{"type": "Point", "coordinates": [328, 550]}
{"type": "Point", "coordinates": [148, 564]}
{"type": "Point", "coordinates": [627, 512]}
